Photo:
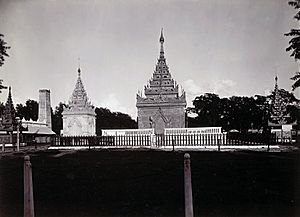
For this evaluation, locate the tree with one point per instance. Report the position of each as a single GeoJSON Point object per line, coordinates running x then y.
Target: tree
{"type": "Point", "coordinates": [296, 78]}
{"type": "Point", "coordinates": [29, 111]}
{"type": "Point", "coordinates": [56, 118]}
{"type": "Point", "coordinates": [283, 106]}
{"type": "Point", "coordinates": [241, 113]}
{"type": "Point", "coordinates": [2, 86]}
{"type": "Point", "coordinates": [105, 119]}
{"type": "Point", "coordinates": [207, 107]}
{"type": "Point", "coordinates": [2, 106]}
{"type": "Point", "coordinates": [294, 43]}
{"type": "Point", "coordinates": [3, 50]}
{"type": "Point", "coordinates": [3, 53]}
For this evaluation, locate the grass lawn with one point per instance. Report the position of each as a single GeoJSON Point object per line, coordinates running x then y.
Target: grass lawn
{"type": "Point", "coordinates": [150, 183]}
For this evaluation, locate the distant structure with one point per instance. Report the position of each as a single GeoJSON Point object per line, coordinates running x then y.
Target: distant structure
{"type": "Point", "coordinates": [280, 120]}
{"type": "Point", "coordinates": [79, 117]}
{"type": "Point", "coordinates": [162, 106]}
{"type": "Point", "coordinates": [45, 107]}
{"type": "Point", "coordinates": [279, 115]}
{"type": "Point", "coordinates": [40, 130]}
{"type": "Point", "coordinates": [8, 119]}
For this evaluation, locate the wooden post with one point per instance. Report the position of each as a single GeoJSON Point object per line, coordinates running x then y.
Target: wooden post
{"type": "Point", "coordinates": [11, 140]}
{"type": "Point", "coordinates": [188, 196]}
{"type": "Point", "coordinates": [28, 188]}
{"type": "Point", "coordinates": [18, 136]}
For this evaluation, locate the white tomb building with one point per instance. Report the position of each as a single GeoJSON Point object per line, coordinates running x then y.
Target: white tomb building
{"type": "Point", "coordinates": [79, 117]}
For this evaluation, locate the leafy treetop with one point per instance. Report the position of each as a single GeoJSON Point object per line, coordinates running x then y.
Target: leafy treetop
{"type": "Point", "coordinates": [3, 50]}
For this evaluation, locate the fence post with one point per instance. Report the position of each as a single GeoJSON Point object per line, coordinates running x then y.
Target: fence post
{"type": "Point", "coordinates": [28, 188]}
{"type": "Point", "coordinates": [269, 144]}
{"type": "Point", "coordinates": [173, 144]}
{"type": "Point", "coordinates": [188, 196]}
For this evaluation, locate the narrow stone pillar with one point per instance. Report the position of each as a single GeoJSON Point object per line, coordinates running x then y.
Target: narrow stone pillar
{"type": "Point", "coordinates": [188, 196]}
{"type": "Point", "coordinates": [28, 189]}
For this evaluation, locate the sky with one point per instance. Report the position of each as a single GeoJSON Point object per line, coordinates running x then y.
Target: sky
{"type": "Point", "coordinates": [228, 47]}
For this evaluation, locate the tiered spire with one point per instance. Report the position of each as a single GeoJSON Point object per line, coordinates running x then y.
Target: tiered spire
{"type": "Point", "coordinates": [162, 84]}
{"type": "Point", "coordinates": [279, 107]}
{"type": "Point", "coordinates": [9, 114]}
{"type": "Point", "coordinates": [79, 97]}
{"type": "Point", "coordinates": [162, 106]}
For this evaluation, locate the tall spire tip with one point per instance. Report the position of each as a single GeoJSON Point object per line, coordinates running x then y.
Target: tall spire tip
{"type": "Point", "coordinates": [161, 36]}
{"type": "Point", "coordinates": [78, 66]}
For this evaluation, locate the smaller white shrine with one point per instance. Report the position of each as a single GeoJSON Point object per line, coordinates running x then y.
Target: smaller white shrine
{"type": "Point", "coordinates": [79, 117]}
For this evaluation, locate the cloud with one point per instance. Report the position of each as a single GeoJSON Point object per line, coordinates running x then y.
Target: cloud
{"type": "Point", "coordinates": [267, 92]}
{"type": "Point", "coordinates": [224, 88]}
{"type": "Point", "coordinates": [112, 103]}
{"type": "Point", "coordinates": [16, 100]}
{"type": "Point", "coordinates": [192, 90]}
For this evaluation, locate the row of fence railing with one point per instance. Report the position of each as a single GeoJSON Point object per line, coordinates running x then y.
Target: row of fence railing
{"type": "Point", "coordinates": [217, 139]}
{"type": "Point", "coordinates": [170, 140]}
{"type": "Point", "coordinates": [25, 139]}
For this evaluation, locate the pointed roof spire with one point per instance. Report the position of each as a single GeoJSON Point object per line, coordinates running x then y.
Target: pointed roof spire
{"type": "Point", "coordinates": [79, 71]}
{"type": "Point", "coordinates": [9, 113]}
{"type": "Point", "coordinates": [9, 102]}
{"type": "Point", "coordinates": [9, 92]}
{"type": "Point", "coordinates": [161, 40]}
{"type": "Point", "coordinates": [79, 96]}
{"type": "Point", "coordinates": [276, 84]}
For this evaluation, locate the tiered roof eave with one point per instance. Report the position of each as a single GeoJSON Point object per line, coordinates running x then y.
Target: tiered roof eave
{"type": "Point", "coordinates": [79, 102]}
{"type": "Point", "coordinates": [161, 88]}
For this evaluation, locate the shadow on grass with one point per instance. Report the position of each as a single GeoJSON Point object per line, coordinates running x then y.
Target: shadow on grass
{"type": "Point", "coordinates": [150, 183]}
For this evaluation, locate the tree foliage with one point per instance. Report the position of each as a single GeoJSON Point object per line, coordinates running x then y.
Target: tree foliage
{"type": "Point", "coordinates": [28, 111]}
{"type": "Point", "coordinates": [3, 53]}
{"type": "Point", "coordinates": [105, 119]}
{"type": "Point", "coordinates": [3, 50]}
{"type": "Point", "coordinates": [296, 78]}
{"type": "Point", "coordinates": [284, 106]}
{"type": "Point", "coordinates": [294, 43]}
{"type": "Point", "coordinates": [2, 86]}
{"type": "Point", "coordinates": [56, 118]}
{"type": "Point", "coordinates": [236, 112]}
{"type": "Point", "coordinates": [2, 106]}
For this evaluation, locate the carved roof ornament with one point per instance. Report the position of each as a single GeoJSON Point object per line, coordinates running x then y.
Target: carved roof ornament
{"type": "Point", "coordinates": [161, 86]}
{"type": "Point", "coordinates": [9, 114]}
{"type": "Point", "coordinates": [79, 97]}
{"type": "Point", "coordinates": [279, 114]}
{"type": "Point", "coordinates": [79, 100]}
